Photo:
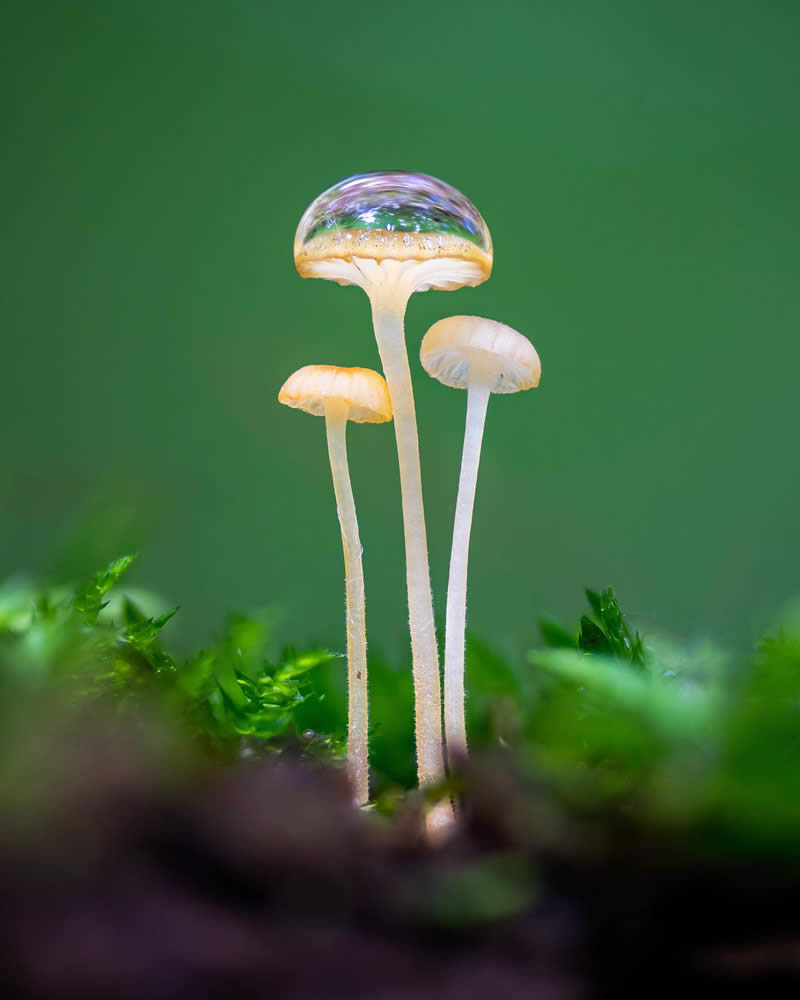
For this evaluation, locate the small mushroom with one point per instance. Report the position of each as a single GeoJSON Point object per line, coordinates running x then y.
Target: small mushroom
{"type": "Point", "coordinates": [339, 395]}
{"type": "Point", "coordinates": [393, 234]}
{"type": "Point", "coordinates": [481, 356]}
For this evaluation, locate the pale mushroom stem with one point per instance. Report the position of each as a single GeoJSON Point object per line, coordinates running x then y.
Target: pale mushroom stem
{"type": "Point", "coordinates": [357, 717]}
{"type": "Point", "coordinates": [388, 313]}
{"type": "Point", "coordinates": [455, 629]}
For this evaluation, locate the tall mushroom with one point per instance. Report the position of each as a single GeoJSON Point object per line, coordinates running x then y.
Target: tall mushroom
{"type": "Point", "coordinates": [481, 356]}
{"type": "Point", "coordinates": [360, 395]}
{"type": "Point", "coordinates": [393, 234]}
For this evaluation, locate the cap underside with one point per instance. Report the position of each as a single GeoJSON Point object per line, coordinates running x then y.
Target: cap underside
{"type": "Point", "coordinates": [362, 390]}
{"type": "Point", "coordinates": [454, 262]}
{"type": "Point", "coordinates": [463, 350]}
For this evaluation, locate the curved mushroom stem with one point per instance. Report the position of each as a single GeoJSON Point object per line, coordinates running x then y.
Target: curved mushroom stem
{"type": "Point", "coordinates": [455, 629]}
{"type": "Point", "coordinates": [388, 300]}
{"type": "Point", "coordinates": [357, 716]}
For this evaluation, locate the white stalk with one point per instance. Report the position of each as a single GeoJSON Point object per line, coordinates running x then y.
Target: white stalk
{"type": "Point", "coordinates": [482, 375]}
{"type": "Point", "coordinates": [357, 716]}
{"type": "Point", "coordinates": [388, 314]}
{"type": "Point", "coordinates": [389, 299]}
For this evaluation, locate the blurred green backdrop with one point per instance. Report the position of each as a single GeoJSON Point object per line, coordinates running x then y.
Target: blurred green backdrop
{"type": "Point", "coordinates": [638, 166]}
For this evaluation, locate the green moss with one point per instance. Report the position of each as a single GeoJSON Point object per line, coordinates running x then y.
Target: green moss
{"type": "Point", "coordinates": [609, 723]}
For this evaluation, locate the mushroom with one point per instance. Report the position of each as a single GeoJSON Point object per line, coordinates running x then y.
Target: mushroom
{"type": "Point", "coordinates": [360, 395]}
{"type": "Point", "coordinates": [481, 356]}
{"type": "Point", "coordinates": [393, 234]}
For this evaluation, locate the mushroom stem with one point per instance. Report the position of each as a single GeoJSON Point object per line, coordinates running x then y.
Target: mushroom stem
{"type": "Point", "coordinates": [388, 313]}
{"type": "Point", "coordinates": [483, 357]}
{"type": "Point", "coordinates": [357, 718]}
{"type": "Point", "coordinates": [455, 629]}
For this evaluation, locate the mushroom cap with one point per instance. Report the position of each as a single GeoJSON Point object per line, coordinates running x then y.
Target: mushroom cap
{"type": "Point", "coordinates": [363, 390]}
{"type": "Point", "coordinates": [394, 215]}
{"type": "Point", "coordinates": [457, 346]}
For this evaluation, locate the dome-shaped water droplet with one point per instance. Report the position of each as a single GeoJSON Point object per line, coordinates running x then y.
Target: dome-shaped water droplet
{"type": "Point", "coordinates": [363, 215]}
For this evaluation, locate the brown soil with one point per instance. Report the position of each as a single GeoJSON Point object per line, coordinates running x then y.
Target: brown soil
{"type": "Point", "coordinates": [124, 876]}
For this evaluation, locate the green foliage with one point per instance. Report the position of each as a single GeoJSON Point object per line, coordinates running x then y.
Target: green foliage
{"type": "Point", "coordinates": [756, 790]}
{"type": "Point", "coordinates": [674, 736]}
{"type": "Point", "coordinates": [680, 737]}
{"type": "Point", "coordinates": [232, 697]}
{"type": "Point", "coordinates": [88, 599]}
{"type": "Point", "coordinates": [607, 632]}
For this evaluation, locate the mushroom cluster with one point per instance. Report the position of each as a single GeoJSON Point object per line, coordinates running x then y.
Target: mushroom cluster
{"type": "Point", "coordinates": [393, 234]}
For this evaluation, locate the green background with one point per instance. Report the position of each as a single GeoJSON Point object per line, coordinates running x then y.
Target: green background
{"type": "Point", "coordinates": [638, 166]}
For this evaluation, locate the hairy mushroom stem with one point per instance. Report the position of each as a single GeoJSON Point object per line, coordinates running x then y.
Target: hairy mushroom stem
{"type": "Point", "coordinates": [388, 301]}
{"type": "Point", "coordinates": [454, 719]}
{"type": "Point", "coordinates": [342, 395]}
{"type": "Point", "coordinates": [358, 718]}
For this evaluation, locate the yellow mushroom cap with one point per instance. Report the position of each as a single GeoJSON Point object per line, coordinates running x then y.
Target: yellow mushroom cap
{"type": "Point", "coordinates": [363, 390]}
{"type": "Point", "coordinates": [454, 349]}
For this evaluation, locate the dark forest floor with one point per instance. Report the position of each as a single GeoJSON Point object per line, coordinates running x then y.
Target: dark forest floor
{"type": "Point", "coordinates": [129, 878]}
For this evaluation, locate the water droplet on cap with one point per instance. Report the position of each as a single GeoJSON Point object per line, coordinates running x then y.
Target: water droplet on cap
{"type": "Point", "coordinates": [394, 201]}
